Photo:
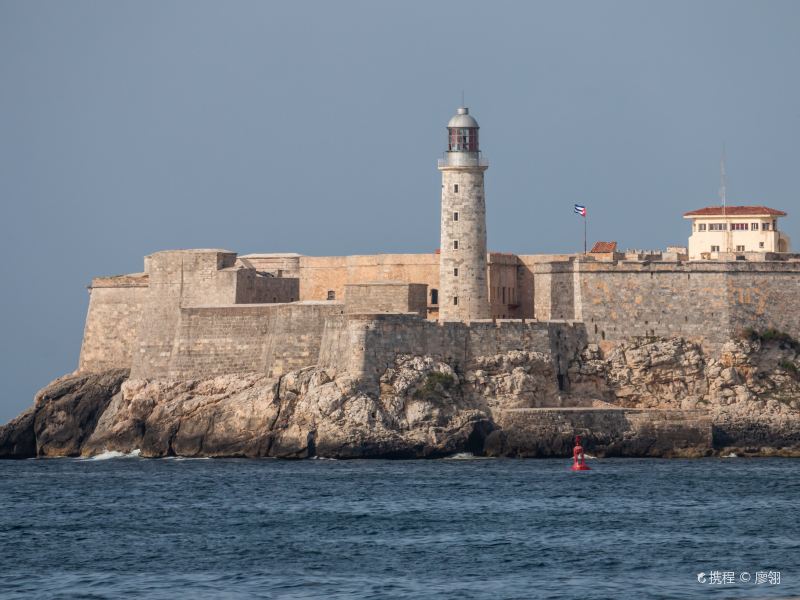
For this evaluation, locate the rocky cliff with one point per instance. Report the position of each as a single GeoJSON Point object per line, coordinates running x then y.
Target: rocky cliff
{"type": "Point", "coordinates": [750, 386]}
{"type": "Point", "coordinates": [648, 397]}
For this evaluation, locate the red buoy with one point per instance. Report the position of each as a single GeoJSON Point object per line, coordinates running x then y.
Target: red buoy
{"type": "Point", "coordinates": [578, 458]}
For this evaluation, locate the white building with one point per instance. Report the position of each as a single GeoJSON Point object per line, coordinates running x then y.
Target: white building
{"type": "Point", "coordinates": [718, 229]}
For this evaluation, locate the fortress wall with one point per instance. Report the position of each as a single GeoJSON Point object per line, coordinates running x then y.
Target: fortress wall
{"type": "Point", "coordinates": [178, 278]}
{"type": "Point", "coordinates": [261, 338]}
{"type": "Point", "coordinates": [653, 299]}
{"type": "Point", "coordinates": [112, 322]}
{"type": "Point", "coordinates": [503, 281]}
{"type": "Point", "coordinates": [554, 290]}
{"type": "Point", "coordinates": [531, 305]}
{"type": "Point", "coordinates": [389, 297]}
{"type": "Point", "coordinates": [253, 288]}
{"type": "Point", "coordinates": [319, 274]}
{"type": "Point", "coordinates": [219, 340]}
{"type": "Point", "coordinates": [295, 335]}
{"type": "Point", "coordinates": [705, 301]}
{"type": "Point", "coordinates": [765, 296]}
{"type": "Point", "coordinates": [367, 345]}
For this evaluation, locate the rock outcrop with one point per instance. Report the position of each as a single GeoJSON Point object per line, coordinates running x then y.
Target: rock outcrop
{"type": "Point", "coordinates": [647, 397]}
{"type": "Point", "coordinates": [750, 387]}
{"type": "Point", "coordinates": [63, 416]}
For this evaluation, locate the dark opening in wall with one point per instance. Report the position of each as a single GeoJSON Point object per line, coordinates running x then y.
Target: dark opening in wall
{"type": "Point", "coordinates": [434, 296]}
{"type": "Point", "coordinates": [603, 335]}
{"type": "Point", "coordinates": [560, 378]}
{"type": "Point", "coordinates": [331, 295]}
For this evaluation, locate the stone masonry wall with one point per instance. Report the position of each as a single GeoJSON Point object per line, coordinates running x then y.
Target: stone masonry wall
{"type": "Point", "coordinates": [704, 301]}
{"type": "Point", "coordinates": [255, 288]}
{"type": "Point", "coordinates": [367, 345]}
{"type": "Point", "coordinates": [321, 274]}
{"type": "Point", "coordinates": [178, 278]}
{"type": "Point", "coordinates": [261, 338]}
{"type": "Point", "coordinates": [112, 322]}
{"type": "Point", "coordinates": [389, 297]}
{"type": "Point", "coordinates": [765, 296]}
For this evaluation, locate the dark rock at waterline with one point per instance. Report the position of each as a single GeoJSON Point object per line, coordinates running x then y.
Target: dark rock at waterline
{"type": "Point", "coordinates": [17, 439]}
{"type": "Point", "coordinates": [63, 416]}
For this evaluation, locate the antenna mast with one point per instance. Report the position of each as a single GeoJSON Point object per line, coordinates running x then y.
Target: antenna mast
{"type": "Point", "coordinates": [722, 185]}
{"type": "Point", "coordinates": [723, 192]}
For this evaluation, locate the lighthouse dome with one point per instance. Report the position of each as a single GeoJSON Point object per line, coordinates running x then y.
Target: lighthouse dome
{"type": "Point", "coordinates": [462, 119]}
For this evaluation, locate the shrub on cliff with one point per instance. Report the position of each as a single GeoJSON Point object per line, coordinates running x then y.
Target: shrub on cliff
{"type": "Point", "coordinates": [435, 386]}
{"type": "Point", "coordinates": [771, 335]}
{"type": "Point", "coordinates": [790, 368]}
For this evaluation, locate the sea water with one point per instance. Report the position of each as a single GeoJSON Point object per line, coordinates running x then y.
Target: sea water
{"type": "Point", "coordinates": [128, 527]}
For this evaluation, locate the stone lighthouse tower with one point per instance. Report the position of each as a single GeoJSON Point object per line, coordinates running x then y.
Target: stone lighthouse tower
{"type": "Point", "coordinates": [463, 291]}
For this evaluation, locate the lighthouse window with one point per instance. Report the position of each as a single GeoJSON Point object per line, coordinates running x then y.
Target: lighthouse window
{"type": "Point", "coordinates": [331, 295]}
{"type": "Point", "coordinates": [701, 227]}
{"type": "Point", "coordinates": [434, 296]}
{"type": "Point", "coordinates": [463, 139]}
{"type": "Point", "coordinates": [455, 244]}
{"type": "Point", "coordinates": [455, 300]}
{"type": "Point", "coordinates": [455, 188]}
{"type": "Point", "coordinates": [455, 272]}
{"type": "Point", "coordinates": [455, 216]}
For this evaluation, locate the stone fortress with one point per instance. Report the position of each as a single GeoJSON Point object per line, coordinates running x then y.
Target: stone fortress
{"type": "Point", "coordinates": [206, 313]}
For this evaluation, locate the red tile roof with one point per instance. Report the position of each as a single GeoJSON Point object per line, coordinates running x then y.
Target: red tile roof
{"type": "Point", "coordinates": [736, 211]}
{"type": "Point", "coordinates": [603, 247]}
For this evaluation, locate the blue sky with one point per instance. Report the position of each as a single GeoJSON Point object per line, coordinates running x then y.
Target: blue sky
{"type": "Point", "coordinates": [131, 127]}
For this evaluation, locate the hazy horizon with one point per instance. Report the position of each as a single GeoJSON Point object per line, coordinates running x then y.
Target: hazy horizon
{"type": "Point", "coordinates": [132, 127]}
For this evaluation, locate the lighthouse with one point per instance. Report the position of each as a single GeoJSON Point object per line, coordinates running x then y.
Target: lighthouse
{"type": "Point", "coordinates": [463, 291]}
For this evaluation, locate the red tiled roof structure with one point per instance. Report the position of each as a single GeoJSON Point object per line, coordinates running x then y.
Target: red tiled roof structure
{"type": "Point", "coordinates": [604, 247]}
{"type": "Point", "coordinates": [735, 211]}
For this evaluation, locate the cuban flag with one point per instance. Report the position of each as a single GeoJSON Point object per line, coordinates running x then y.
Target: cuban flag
{"type": "Point", "coordinates": [580, 210]}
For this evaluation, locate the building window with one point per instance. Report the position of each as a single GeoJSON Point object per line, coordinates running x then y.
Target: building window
{"type": "Point", "coordinates": [455, 188]}
{"type": "Point", "coordinates": [455, 244]}
{"type": "Point", "coordinates": [331, 295]}
{"type": "Point", "coordinates": [775, 225]}
{"type": "Point", "coordinates": [717, 226]}
{"type": "Point", "coordinates": [739, 227]}
{"type": "Point", "coordinates": [504, 295]}
{"type": "Point", "coordinates": [455, 300]}
{"type": "Point", "coordinates": [754, 226]}
{"type": "Point", "coordinates": [455, 216]}
{"type": "Point", "coordinates": [434, 296]}
{"type": "Point", "coordinates": [765, 226]}
{"type": "Point", "coordinates": [701, 227]}
{"type": "Point", "coordinates": [715, 248]}
{"type": "Point", "coordinates": [455, 271]}
{"type": "Point", "coordinates": [760, 244]}
{"type": "Point", "coordinates": [740, 248]}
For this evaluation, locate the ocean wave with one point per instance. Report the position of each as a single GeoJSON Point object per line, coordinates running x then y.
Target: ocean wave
{"type": "Point", "coordinates": [109, 454]}
{"type": "Point", "coordinates": [465, 456]}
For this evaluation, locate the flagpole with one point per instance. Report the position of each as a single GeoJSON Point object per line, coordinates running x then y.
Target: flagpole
{"type": "Point", "coordinates": [585, 218]}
